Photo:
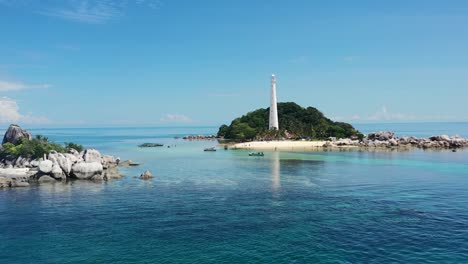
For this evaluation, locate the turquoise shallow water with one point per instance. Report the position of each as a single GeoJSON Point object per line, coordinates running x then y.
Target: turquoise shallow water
{"type": "Point", "coordinates": [226, 207]}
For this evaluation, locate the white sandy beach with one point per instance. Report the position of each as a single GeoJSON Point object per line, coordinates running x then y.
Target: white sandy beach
{"type": "Point", "coordinates": [280, 145]}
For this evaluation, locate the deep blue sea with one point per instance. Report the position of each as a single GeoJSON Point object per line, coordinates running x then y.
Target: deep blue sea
{"type": "Point", "coordinates": [227, 207]}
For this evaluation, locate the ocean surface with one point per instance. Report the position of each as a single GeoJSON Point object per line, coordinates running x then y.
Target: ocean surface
{"type": "Point", "coordinates": [227, 207]}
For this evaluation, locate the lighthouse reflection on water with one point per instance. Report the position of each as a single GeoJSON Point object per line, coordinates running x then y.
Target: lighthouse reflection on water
{"type": "Point", "coordinates": [275, 171]}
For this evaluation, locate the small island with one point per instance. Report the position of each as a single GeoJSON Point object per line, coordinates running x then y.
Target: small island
{"type": "Point", "coordinates": [295, 123]}
{"type": "Point", "coordinates": [307, 128]}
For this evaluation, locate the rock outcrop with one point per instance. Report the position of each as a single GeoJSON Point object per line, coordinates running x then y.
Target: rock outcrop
{"type": "Point", "coordinates": [146, 175]}
{"type": "Point", "coordinates": [388, 140]}
{"type": "Point", "coordinates": [14, 133]}
{"type": "Point", "coordinates": [87, 165]}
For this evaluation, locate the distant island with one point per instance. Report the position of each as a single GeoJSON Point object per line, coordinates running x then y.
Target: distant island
{"type": "Point", "coordinates": [295, 122]}
{"type": "Point", "coordinates": [307, 128]}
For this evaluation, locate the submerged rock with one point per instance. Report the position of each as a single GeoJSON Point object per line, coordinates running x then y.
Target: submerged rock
{"type": "Point", "coordinates": [16, 183]}
{"type": "Point", "coordinates": [111, 173]}
{"type": "Point", "coordinates": [45, 179]}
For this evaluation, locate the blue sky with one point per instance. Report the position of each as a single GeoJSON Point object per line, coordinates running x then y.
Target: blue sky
{"type": "Point", "coordinates": [148, 62]}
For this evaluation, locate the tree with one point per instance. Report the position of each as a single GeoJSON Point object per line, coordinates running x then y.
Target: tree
{"type": "Point", "coordinates": [298, 121]}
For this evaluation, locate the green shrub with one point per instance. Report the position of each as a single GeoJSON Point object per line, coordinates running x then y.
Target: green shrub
{"type": "Point", "coordinates": [34, 148]}
{"type": "Point", "coordinates": [71, 145]}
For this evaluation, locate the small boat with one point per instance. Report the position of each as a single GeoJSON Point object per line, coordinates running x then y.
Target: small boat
{"type": "Point", "coordinates": [256, 154]}
{"type": "Point", "coordinates": [210, 149]}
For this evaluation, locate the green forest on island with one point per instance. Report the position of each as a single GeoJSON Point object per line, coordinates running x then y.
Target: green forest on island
{"type": "Point", "coordinates": [295, 122]}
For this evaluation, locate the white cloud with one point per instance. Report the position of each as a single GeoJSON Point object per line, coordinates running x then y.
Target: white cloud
{"type": "Point", "coordinates": [9, 113]}
{"type": "Point", "coordinates": [86, 11]}
{"type": "Point", "coordinates": [69, 47]}
{"type": "Point", "coordinates": [350, 58]}
{"type": "Point", "coordinates": [384, 115]}
{"type": "Point", "coordinates": [92, 12]}
{"type": "Point", "coordinates": [298, 60]}
{"type": "Point", "coordinates": [176, 118]}
{"type": "Point", "coordinates": [15, 86]}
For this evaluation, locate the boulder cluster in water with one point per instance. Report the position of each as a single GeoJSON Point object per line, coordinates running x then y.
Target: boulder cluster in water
{"type": "Point", "coordinates": [388, 139]}
{"type": "Point", "coordinates": [88, 164]}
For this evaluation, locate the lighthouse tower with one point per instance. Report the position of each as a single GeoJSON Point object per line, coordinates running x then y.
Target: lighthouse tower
{"type": "Point", "coordinates": [273, 107]}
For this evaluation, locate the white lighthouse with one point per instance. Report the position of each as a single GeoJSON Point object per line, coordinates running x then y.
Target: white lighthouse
{"type": "Point", "coordinates": [273, 108]}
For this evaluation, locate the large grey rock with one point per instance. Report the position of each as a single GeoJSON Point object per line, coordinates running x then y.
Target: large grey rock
{"type": "Point", "coordinates": [57, 171]}
{"type": "Point", "coordinates": [92, 155]}
{"type": "Point", "coordinates": [14, 133]}
{"type": "Point", "coordinates": [85, 171]}
{"type": "Point", "coordinates": [45, 166]}
{"type": "Point", "coordinates": [63, 160]}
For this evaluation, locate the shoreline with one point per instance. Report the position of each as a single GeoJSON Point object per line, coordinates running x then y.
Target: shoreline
{"type": "Point", "coordinates": [316, 147]}
{"type": "Point", "coordinates": [279, 145]}
{"type": "Point", "coordinates": [376, 140]}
